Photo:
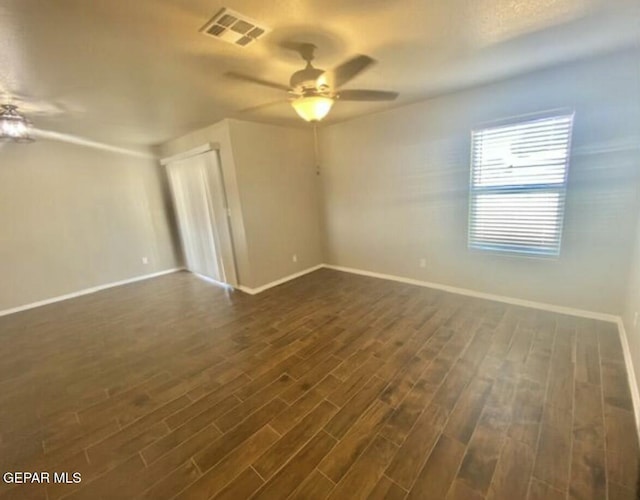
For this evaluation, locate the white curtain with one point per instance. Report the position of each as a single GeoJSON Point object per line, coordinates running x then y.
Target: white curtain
{"type": "Point", "coordinates": [191, 185]}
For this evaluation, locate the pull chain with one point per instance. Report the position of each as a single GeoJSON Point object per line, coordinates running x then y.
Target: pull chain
{"type": "Point", "coordinates": [315, 148]}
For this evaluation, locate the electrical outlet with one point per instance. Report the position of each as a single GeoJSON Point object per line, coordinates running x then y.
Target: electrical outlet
{"type": "Point", "coordinates": [423, 263]}
{"type": "Point", "coordinates": [635, 319]}
{"type": "Point", "coordinates": [145, 260]}
{"type": "Point", "coordinates": [295, 258]}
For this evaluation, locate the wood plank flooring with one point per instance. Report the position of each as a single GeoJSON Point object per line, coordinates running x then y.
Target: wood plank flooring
{"type": "Point", "coordinates": [330, 386]}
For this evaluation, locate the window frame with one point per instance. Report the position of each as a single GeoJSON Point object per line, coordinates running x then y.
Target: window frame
{"type": "Point", "coordinates": [505, 249]}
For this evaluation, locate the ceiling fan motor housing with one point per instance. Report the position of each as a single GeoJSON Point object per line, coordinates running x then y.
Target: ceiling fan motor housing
{"type": "Point", "coordinates": [306, 79]}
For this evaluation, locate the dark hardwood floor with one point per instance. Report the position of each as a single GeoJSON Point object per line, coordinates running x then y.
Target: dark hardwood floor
{"type": "Point", "coordinates": [330, 386]}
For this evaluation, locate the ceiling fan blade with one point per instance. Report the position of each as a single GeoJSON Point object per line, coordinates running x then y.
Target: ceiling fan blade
{"type": "Point", "coordinates": [367, 95]}
{"type": "Point", "coordinates": [253, 79]}
{"type": "Point", "coordinates": [348, 70]}
{"type": "Point", "coordinates": [260, 107]}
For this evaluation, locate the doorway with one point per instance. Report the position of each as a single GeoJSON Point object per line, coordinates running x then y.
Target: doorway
{"type": "Point", "coordinates": [199, 198]}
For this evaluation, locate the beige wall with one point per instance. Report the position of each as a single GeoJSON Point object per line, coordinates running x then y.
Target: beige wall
{"type": "Point", "coordinates": [396, 187]}
{"type": "Point", "coordinates": [394, 190]}
{"type": "Point", "coordinates": [273, 194]}
{"type": "Point", "coordinates": [631, 308]}
{"type": "Point", "coordinates": [72, 218]}
{"type": "Point", "coordinates": [279, 190]}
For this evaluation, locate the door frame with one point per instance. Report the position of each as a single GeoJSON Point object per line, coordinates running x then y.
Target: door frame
{"type": "Point", "coordinates": [206, 147]}
{"type": "Point", "coordinates": [231, 273]}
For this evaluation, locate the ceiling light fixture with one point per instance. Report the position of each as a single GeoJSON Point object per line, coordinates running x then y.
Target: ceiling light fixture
{"type": "Point", "coordinates": [14, 127]}
{"type": "Point", "coordinates": [312, 108]}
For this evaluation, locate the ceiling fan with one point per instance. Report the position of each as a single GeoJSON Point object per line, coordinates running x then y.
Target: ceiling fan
{"type": "Point", "coordinates": [14, 109]}
{"type": "Point", "coordinates": [313, 91]}
{"type": "Point", "coordinates": [14, 127]}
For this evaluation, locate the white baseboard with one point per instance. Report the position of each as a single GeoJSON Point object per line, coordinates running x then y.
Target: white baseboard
{"type": "Point", "coordinates": [631, 374]}
{"type": "Point", "coordinates": [87, 291]}
{"type": "Point", "coordinates": [255, 291]}
{"type": "Point", "coordinates": [482, 295]}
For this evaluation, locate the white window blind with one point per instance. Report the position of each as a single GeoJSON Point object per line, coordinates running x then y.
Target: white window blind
{"type": "Point", "coordinates": [518, 185]}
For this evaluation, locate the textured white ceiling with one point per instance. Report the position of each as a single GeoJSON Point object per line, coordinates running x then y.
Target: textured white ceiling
{"type": "Point", "coordinates": [137, 72]}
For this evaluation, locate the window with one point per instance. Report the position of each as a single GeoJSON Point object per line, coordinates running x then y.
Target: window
{"type": "Point", "coordinates": [518, 186]}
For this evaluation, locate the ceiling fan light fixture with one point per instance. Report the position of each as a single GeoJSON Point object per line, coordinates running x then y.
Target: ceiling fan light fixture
{"type": "Point", "coordinates": [312, 108]}
{"type": "Point", "coordinates": [14, 127]}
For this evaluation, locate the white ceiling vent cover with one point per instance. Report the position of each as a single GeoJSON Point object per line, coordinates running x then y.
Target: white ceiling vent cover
{"type": "Point", "coordinates": [230, 26]}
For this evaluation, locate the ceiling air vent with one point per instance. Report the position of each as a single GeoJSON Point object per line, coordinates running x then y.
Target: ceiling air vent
{"type": "Point", "coordinates": [232, 27]}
